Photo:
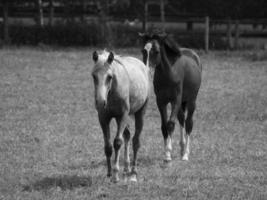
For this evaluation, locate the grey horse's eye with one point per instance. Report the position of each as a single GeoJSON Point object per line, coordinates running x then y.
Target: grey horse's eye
{"type": "Point", "coordinates": [109, 78]}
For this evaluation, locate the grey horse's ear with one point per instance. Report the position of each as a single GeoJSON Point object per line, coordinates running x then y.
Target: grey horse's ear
{"type": "Point", "coordinates": [110, 58]}
{"type": "Point", "coordinates": [95, 56]}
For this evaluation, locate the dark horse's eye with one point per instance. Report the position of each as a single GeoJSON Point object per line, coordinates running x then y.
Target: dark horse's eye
{"type": "Point", "coordinates": [156, 51]}
{"type": "Point", "coordinates": [143, 51]}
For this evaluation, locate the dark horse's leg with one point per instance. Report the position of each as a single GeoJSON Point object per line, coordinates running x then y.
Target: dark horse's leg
{"type": "Point", "coordinates": [175, 106]}
{"type": "Point", "coordinates": [181, 119]}
{"type": "Point", "coordinates": [118, 141]}
{"type": "Point", "coordinates": [139, 122]}
{"type": "Point", "coordinates": [104, 123]}
{"type": "Point", "coordinates": [188, 128]}
{"type": "Point", "coordinates": [163, 115]}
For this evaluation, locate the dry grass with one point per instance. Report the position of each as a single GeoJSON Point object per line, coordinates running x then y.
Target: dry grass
{"type": "Point", "coordinates": [52, 147]}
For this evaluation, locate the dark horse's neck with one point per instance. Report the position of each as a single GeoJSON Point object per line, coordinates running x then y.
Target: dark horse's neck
{"type": "Point", "coordinates": [168, 58]}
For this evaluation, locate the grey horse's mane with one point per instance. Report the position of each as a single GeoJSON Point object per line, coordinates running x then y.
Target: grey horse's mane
{"type": "Point", "coordinates": [117, 57]}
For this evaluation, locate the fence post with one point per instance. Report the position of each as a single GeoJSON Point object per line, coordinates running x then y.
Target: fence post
{"type": "Point", "coordinates": [40, 17]}
{"type": "Point", "coordinates": [236, 42]}
{"type": "Point", "coordinates": [207, 22]}
{"type": "Point", "coordinates": [51, 12]}
{"type": "Point", "coordinates": [229, 34]}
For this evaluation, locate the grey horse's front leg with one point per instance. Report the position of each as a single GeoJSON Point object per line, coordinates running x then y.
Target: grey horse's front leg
{"type": "Point", "coordinates": [104, 123]}
{"type": "Point", "coordinates": [118, 141]}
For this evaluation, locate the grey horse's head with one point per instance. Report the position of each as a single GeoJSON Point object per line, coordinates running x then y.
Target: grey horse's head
{"type": "Point", "coordinates": [103, 77]}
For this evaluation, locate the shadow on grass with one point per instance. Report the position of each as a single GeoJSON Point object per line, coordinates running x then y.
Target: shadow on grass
{"type": "Point", "coordinates": [148, 161]}
{"type": "Point", "coordinates": [95, 165]}
{"type": "Point", "coordinates": [64, 182]}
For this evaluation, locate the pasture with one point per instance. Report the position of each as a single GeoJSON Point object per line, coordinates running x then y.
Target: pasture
{"type": "Point", "coordinates": [51, 144]}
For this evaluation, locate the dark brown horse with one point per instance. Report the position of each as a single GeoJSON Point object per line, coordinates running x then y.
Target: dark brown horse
{"type": "Point", "coordinates": [177, 80]}
{"type": "Point", "coordinates": [121, 89]}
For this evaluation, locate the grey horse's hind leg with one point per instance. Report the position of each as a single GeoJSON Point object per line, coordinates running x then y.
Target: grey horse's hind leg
{"type": "Point", "coordinates": [139, 122]}
{"type": "Point", "coordinates": [104, 123]}
{"type": "Point", "coordinates": [126, 136]}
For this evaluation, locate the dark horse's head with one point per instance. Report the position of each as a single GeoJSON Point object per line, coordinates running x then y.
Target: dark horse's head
{"type": "Point", "coordinates": [154, 43]}
{"type": "Point", "coordinates": [102, 75]}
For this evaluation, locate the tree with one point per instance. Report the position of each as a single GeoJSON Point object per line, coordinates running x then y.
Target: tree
{"type": "Point", "coordinates": [83, 7]}
{"type": "Point", "coordinates": [51, 12]}
{"type": "Point", "coordinates": [40, 17]}
{"type": "Point", "coordinates": [104, 7]}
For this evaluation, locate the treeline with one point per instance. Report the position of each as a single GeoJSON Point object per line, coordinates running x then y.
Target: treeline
{"type": "Point", "coordinates": [61, 21]}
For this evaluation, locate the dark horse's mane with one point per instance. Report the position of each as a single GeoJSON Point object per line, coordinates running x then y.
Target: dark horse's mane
{"type": "Point", "coordinates": [171, 47]}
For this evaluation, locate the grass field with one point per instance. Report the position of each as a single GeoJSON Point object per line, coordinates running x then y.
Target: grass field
{"type": "Point", "coordinates": [51, 145]}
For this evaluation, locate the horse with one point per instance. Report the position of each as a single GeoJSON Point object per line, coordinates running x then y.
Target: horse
{"type": "Point", "coordinates": [177, 79]}
{"type": "Point", "coordinates": [121, 90]}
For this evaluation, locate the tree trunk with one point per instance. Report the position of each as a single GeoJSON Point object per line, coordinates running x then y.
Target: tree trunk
{"type": "Point", "coordinates": [145, 15]}
{"type": "Point", "coordinates": [189, 25]}
{"type": "Point", "coordinates": [51, 12]}
{"type": "Point", "coordinates": [40, 17]}
{"type": "Point", "coordinates": [67, 11]}
{"type": "Point", "coordinates": [83, 10]}
{"type": "Point", "coordinates": [162, 14]}
{"type": "Point", "coordinates": [106, 32]}
{"type": "Point", "coordinates": [207, 33]}
{"type": "Point", "coordinates": [5, 21]}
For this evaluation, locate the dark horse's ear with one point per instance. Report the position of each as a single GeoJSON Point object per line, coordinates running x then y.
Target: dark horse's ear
{"type": "Point", "coordinates": [110, 58]}
{"type": "Point", "coordinates": [95, 56]}
{"type": "Point", "coordinates": [141, 34]}
{"type": "Point", "coordinates": [162, 36]}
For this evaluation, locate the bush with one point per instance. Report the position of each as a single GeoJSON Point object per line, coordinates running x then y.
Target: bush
{"type": "Point", "coordinates": [60, 34]}
{"type": "Point", "coordinates": [79, 34]}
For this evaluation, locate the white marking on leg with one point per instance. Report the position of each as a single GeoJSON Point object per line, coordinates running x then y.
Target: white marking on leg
{"type": "Point", "coordinates": [168, 149]}
{"type": "Point", "coordinates": [182, 140]}
{"type": "Point", "coordinates": [182, 135]}
{"type": "Point", "coordinates": [187, 149]}
{"type": "Point", "coordinates": [116, 168]}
